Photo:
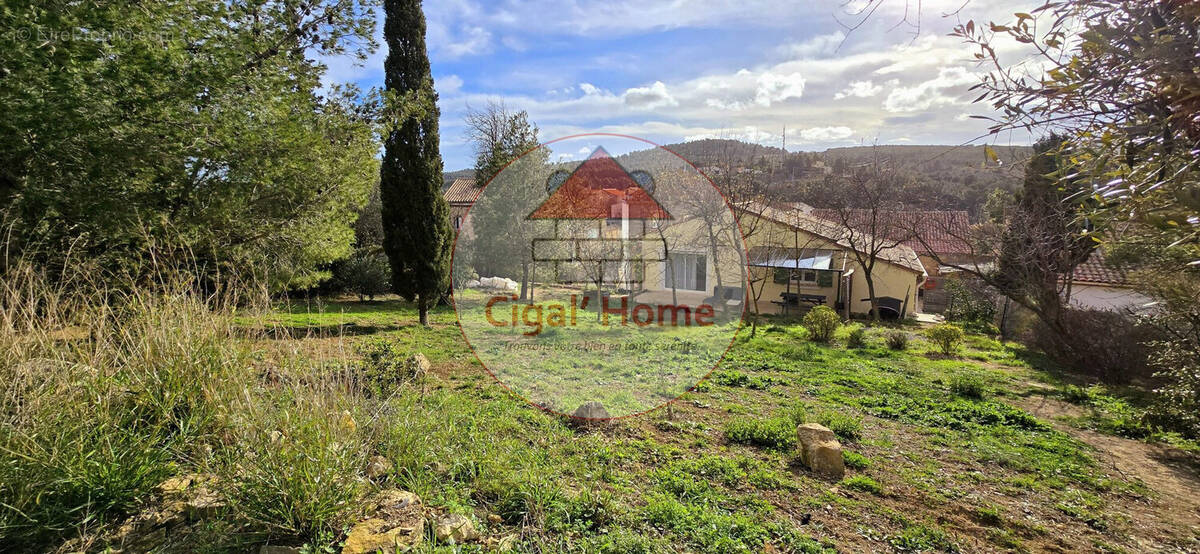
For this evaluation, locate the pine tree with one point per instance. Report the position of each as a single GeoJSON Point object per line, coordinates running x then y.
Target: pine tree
{"type": "Point", "coordinates": [416, 222]}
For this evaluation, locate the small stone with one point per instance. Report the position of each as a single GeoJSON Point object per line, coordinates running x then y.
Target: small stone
{"type": "Point", "coordinates": [205, 504]}
{"type": "Point", "coordinates": [591, 411]}
{"type": "Point", "coordinates": [418, 364]}
{"type": "Point", "coordinates": [376, 535]}
{"type": "Point", "coordinates": [272, 549]}
{"type": "Point", "coordinates": [348, 423]}
{"type": "Point", "coordinates": [378, 466]}
{"type": "Point", "coordinates": [397, 524]}
{"type": "Point", "coordinates": [176, 485]}
{"type": "Point", "coordinates": [507, 543]}
{"type": "Point", "coordinates": [455, 529]}
{"type": "Point", "coordinates": [820, 451]}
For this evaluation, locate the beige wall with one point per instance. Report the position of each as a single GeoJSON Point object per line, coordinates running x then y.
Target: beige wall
{"type": "Point", "coordinates": [890, 279]}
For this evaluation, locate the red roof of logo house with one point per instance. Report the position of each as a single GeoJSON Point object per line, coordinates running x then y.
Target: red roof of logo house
{"type": "Point", "coordinates": [594, 189]}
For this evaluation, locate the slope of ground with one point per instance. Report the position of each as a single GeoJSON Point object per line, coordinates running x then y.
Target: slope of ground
{"type": "Point", "coordinates": [176, 429]}
{"type": "Point", "coordinates": [944, 458]}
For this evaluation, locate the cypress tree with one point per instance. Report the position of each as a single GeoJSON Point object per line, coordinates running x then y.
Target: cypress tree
{"type": "Point", "coordinates": [416, 221]}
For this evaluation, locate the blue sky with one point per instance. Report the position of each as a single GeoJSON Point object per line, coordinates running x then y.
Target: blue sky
{"type": "Point", "coordinates": [679, 70]}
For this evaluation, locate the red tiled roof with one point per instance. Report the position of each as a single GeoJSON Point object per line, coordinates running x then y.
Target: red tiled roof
{"type": "Point", "coordinates": [942, 230]}
{"type": "Point", "coordinates": [462, 191]}
{"type": "Point", "coordinates": [1096, 270]}
{"type": "Point", "coordinates": [594, 188]}
{"type": "Point", "coordinates": [901, 254]}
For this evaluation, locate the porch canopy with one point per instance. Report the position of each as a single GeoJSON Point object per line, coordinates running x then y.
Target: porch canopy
{"type": "Point", "coordinates": [790, 258]}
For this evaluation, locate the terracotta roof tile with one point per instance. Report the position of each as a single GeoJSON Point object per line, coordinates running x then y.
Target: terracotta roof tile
{"type": "Point", "coordinates": [1096, 270]}
{"type": "Point", "coordinates": [901, 255]}
{"type": "Point", "coordinates": [942, 229]}
{"type": "Point", "coordinates": [462, 191]}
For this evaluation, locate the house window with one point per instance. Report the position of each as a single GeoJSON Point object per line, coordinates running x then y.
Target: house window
{"type": "Point", "coordinates": [804, 277]}
{"type": "Point", "coordinates": [458, 222]}
{"type": "Point", "coordinates": [686, 271]}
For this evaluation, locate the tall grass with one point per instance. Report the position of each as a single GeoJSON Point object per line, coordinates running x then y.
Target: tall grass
{"type": "Point", "coordinates": [104, 394]}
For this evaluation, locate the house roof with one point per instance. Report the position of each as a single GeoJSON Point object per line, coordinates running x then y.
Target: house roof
{"type": "Point", "coordinates": [595, 189]}
{"type": "Point", "coordinates": [901, 254]}
{"type": "Point", "coordinates": [462, 191]}
{"type": "Point", "coordinates": [1096, 269]}
{"type": "Point", "coordinates": [942, 230]}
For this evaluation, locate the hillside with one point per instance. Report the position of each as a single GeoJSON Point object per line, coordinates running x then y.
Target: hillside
{"type": "Point", "coordinates": [939, 176]}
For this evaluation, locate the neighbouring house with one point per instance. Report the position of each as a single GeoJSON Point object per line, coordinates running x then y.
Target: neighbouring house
{"type": "Point", "coordinates": [1098, 285]}
{"type": "Point", "coordinates": [941, 234]}
{"type": "Point", "coordinates": [801, 260]}
{"type": "Point", "coordinates": [796, 260]}
{"type": "Point", "coordinates": [460, 195]}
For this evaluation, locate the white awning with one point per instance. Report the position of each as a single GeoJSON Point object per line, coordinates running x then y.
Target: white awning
{"type": "Point", "coordinates": [790, 258]}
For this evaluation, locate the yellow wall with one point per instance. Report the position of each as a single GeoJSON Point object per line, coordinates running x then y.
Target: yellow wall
{"type": "Point", "coordinates": [890, 279]}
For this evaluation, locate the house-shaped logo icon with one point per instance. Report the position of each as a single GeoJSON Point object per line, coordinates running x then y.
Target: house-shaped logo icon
{"type": "Point", "coordinates": [600, 212]}
{"type": "Point", "coordinates": [600, 189]}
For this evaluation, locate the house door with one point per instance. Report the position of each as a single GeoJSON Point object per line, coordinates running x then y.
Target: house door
{"type": "Point", "coordinates": [686, 271]}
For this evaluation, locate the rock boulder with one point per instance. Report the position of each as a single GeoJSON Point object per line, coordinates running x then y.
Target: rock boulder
{"type": "Point", "coordinates": [396, 524]}
{"type": "Point", "coordinates": [820, 451]}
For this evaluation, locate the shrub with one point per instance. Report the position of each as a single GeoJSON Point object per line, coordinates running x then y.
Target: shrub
{"type": "Point", "coordinates": [1106, 345]}
{"type": "Point", "coordinates": [1177, 402]}
{"type": "Point", "coordinates": [972, 304]}
{"type": "Point", "coordinates": [366, 273]}
{"type": "Point", "coordinates": [968, 386]}
{"type": "Point", "coordinates": [385, 365]}
{"type": "Point", "coordinates": [1079, 395]}
{"type": "Point", "coordinates": [857, 338]}
{"type": "Point", "coordinates": [777, 432]}
{"type": "Point", "coordinates": [947, 337]}
{"type": "Point", "coordinates": [822, 322]}
{"type": "Point", "coordinates": [897, 340]}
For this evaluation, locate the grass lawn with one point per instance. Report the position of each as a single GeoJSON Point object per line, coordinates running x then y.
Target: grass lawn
{"type": "Point", "coordinates": [941, 456]}
{"type": "Point", "coordinates": [984, 450]}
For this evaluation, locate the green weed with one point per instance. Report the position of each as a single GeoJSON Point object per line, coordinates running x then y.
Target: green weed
{"type": "Point", "coordinates": [777, 432]}
{"type": "Point", "coordinates": [862, 483]}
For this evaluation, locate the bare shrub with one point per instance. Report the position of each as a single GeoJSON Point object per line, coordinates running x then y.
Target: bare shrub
{"type": "Point", "coordinates": [1109, 346]}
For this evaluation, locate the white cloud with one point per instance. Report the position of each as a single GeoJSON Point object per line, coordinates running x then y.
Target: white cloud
{"type": "Point", "coordinates": [934, 92]}
{"type": "Point", "coordinates": [746, 89]}
{"type": "Point", "coordinates": [885, 88]}
{"type": "Point", "coordinates": [777, 88]}
{"type": "Point", "coordinates": [653, 96]}
{"type": "Point", "coordinates": [860, 89]}
{"type": "Point", "coordinates": [471, 41]}
{"type": "Point", "coordinates": [824, 134]}
{"type": "Point", "coordinates": [590, 89]}
{"type": "Point", "coordinates": [815, 47]}
{"type": "Point", "coordinates": [448, 84]}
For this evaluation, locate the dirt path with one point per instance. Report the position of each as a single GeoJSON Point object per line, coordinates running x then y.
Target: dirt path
{"type": "Point", "coordinates": [1169, 520]}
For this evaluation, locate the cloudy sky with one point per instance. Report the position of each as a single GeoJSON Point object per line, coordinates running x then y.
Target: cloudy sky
{"type": "Point", "coordinates": [676, 70]}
